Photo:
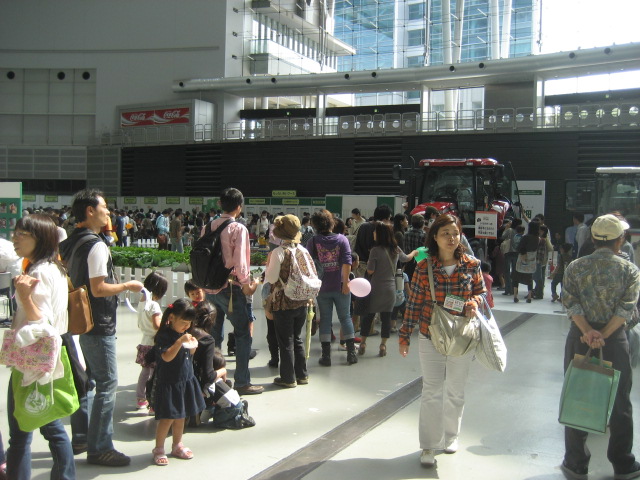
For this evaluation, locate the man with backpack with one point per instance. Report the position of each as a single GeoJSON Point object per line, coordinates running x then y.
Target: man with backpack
{"type": "Point", "coordinates": [231, 298]}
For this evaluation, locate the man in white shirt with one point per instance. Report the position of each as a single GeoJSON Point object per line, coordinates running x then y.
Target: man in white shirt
{"type": "Point", "coordinates": [89, 262]}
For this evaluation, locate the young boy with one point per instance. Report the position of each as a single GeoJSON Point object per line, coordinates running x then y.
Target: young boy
{"type": "Point", "coordinates": [194, 292]}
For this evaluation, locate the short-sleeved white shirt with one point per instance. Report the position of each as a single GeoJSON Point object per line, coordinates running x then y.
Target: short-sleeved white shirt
{"type": "Point", "coordinates": [98, 259]}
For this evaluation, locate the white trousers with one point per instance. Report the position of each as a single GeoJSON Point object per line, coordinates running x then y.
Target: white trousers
{"type": "Point", "coordinates": [442, 401]}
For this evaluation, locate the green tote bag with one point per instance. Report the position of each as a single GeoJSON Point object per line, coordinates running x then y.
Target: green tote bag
{"type": "Point", "coordinates": [36, 405]}
{"type": "Point", "coordinates": [588, 393]}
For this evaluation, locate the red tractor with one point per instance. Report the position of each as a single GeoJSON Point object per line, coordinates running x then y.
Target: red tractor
{"type": "Point", "coordinates": [462, 187]}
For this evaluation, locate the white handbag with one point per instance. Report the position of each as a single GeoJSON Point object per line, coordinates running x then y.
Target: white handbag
{"type": "Point", "coordinates": [491, 350]}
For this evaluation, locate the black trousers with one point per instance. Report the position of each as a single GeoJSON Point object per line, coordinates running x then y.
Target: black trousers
{"type": "Point", "coordinates": [289, 323]}
{"type": "Point", "coordinates": [577, 455]}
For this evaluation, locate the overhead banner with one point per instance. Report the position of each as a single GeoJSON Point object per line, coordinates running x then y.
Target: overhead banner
{"type": "Point", "coordinates": [165, 116]}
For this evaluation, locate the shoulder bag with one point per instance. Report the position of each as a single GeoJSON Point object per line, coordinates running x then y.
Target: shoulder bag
{"type": "Point", "coordinates": [491, 350]}
{"type": "Point", "coordinates": [451, 335]}
{"type": "Point", "coordinates": [80, 317]}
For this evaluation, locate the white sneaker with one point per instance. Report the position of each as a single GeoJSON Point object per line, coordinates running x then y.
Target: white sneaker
{"type": "Point", "coordinates": [452, 448]}
{"type": "Point", "coordinates": [205, 415]}
{"type": "Point", "coordinates": [428, 458]}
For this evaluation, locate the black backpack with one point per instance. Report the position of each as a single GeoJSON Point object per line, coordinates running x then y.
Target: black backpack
{"type": "Point", "coordinates": [207, 265]}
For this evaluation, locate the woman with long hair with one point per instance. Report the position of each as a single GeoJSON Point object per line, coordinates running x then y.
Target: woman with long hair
{"type": "Point", "coordinates": [457, 276]}
{"type": "Point", "coordinates": [381, 268]}
{"type": "Point", "coordinates": [42, 296]}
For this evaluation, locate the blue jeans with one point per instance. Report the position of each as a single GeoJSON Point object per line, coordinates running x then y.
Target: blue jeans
{"type": "Point", "coordinates": [100, 355]}
{"type": "Point", "coordinates": [510, 260]}
{"type": "Point", "coordinates": [177, 245]}
{"type": "Point", "coordinates": [19, 452]}
{"type": "Point", "coordinates": [538, 277]}
{"type": "Point", "coordinates": [217, 330]}
{"type": "Point", "coordinates": [240, 320]}
{"type": "Point", "coordinates": [326, 301]}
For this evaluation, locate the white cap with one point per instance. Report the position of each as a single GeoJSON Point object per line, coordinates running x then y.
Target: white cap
{"type": "Point", "coordinates": [608, 227]}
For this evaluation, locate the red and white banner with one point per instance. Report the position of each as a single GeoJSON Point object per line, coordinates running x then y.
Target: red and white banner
{"type": "Point", "coordinates": [166, 116]}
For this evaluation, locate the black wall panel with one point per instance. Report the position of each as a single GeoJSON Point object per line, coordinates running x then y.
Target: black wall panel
{"type": "Point", "coordinates": [362, 165]}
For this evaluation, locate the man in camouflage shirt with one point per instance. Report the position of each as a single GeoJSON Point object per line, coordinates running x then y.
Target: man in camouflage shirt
{"type": "Point", "coordinates": [600, 292]}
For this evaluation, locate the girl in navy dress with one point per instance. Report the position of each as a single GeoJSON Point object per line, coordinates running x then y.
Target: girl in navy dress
{"type": "Point", "coordinates": [177, 393]}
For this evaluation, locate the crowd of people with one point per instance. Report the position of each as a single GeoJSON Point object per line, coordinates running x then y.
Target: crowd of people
{"type": "Point", "coordinates": [183, 376]}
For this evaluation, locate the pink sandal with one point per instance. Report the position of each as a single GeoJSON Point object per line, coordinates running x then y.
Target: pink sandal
{"type": "Point", "coordinates": [182, 452]}
{"type": "Point", "coordinates": [159, 457]}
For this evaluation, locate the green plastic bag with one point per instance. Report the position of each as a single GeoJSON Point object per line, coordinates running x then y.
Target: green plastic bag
{"type": "Point", "coordinates": [588, 393]}
{"type": "Point", "coordinates": [36, 405]}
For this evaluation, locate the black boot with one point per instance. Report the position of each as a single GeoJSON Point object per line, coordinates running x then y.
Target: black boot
{"type": "Point", "coordinates": [352, 357]}
{"type": "Point", "coordinates": [325, 359]}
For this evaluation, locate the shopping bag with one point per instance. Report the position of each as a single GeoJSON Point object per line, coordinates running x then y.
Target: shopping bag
{"type": "Point", "coordinates": [588, 393]}
{"type": "Point", "coordinates": [36, 405]}
{"type": "Point", "coordinates": [491, 350]}
{"type": "Point", "coordinates": [38, 357]}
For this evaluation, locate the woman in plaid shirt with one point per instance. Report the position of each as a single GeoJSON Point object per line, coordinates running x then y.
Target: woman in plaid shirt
{"type": "Point", "coordinates": [458, 281]}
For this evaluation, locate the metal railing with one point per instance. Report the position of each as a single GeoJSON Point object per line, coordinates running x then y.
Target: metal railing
{"type": "Point", "coordinates": [566, 117]}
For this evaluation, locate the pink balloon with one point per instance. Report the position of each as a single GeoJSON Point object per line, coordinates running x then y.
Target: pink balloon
{"type": "Point", "coordinates": [360, 287]}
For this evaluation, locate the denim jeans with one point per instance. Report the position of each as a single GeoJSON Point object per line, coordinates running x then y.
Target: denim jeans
{"type": "Point", "coordinates": [510, 260]}
{"type": "Point", "coordinates": [217, 330]}
{"type": "Point", "coordinates": [326, 301]}
{"type": "Point", "coordinates": [538, 278]}
{"type": "Point", "coordinates": [240, 320]}
{"type": "Point", "coordinates": [289, 323]}
{"type": "Point", "coordinates": [19, 452]}
{"type": "Point", "coordinates": [100, 355]}
{"type": "Point", "coordinates": [177, 245]}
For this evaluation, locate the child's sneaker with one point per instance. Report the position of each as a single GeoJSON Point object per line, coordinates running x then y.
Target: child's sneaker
{"type": "Point", "coordinates": [152, 412]}
{"type": "Point", "coordinates": [142, 404]}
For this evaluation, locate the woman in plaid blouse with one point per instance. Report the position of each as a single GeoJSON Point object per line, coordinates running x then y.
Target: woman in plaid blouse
{"type": "Point", "coordinates": [457, 276]}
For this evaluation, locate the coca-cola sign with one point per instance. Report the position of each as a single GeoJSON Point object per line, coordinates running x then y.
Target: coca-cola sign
{"type": "Point", "coordinates": [165, 116]}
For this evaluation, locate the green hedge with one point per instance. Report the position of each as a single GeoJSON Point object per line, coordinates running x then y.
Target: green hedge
{"type": "Point", "coordinates": [136, 257]}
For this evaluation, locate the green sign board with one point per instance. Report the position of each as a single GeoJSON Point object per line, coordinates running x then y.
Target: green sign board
{"type": "Point", "coordinates": [256, 201]}
{"type": "Point", "coordinates": [320, 202]}
{"type": "Point", "coordinates": [150, 200]}
{"type": "Point", "coordinates": [196, 200]}
{"type": "Point", "coordinates": [28, 198]}
{"type": "Point", "coordinates": [291, 201]}
{"type": "Point", "coordinates": [130, 200]}
{"type": "Point", "coordinates": [173, 200]}
{"type": "Point", "coordinates": [283, 193]}
{"type": "Point", "coordinates": [111, 201]}
{"type": "Point", "coordinates": [51, 198]}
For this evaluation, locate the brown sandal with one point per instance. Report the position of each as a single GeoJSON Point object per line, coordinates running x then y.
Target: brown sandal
{"type": "Point", "coordinates": [383, 350]}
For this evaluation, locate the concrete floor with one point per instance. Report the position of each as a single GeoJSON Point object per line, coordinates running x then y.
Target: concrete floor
{"type": "Point", "coordinates": [360, 421]}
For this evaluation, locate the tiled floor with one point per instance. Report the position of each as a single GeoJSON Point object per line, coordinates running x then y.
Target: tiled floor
{"type": "Point", "coordinates": [510, 429]}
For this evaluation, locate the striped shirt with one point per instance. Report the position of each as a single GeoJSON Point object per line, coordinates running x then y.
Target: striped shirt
{"type": "Point", "coordinates": [465, 281]}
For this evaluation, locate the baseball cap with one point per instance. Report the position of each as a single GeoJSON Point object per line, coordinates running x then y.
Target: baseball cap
{"type": "Point", "coordinates": [608, 227]}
